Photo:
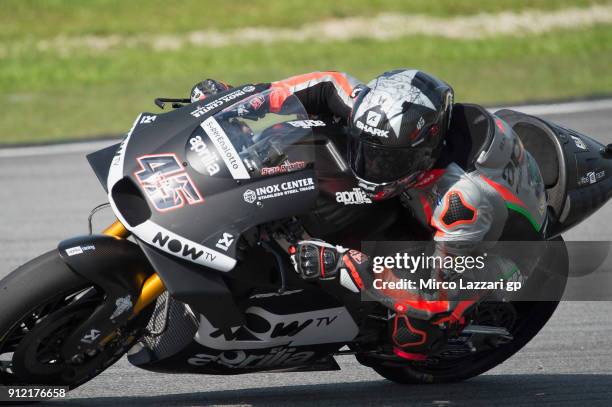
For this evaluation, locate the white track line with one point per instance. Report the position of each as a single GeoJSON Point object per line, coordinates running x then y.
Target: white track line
{"type": "Point", "coordinates": [56, 149]}
{"type": "Point", "coordinates": [562, 108]}
{"type": "Point", "coordinates": [91, 146]}
{"type": "Point", "coordinates": [381, 27]}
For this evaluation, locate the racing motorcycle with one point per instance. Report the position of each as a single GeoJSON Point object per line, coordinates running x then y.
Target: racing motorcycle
{"type": "Point", "coordinates": [194, 276]}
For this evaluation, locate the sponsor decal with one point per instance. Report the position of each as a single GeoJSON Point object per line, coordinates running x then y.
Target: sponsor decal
{"type": "Point", "coordinates": [118, 154]}
{"type": "Point", "coordinates": [367, 186]}
{"type": "Point", "coordinates": [122, 305]}
{"type": "Point", "coordinates": [276, 357]}
{"type": "Point", "coordinates": [373, 131]}
{"type": "Point", "coordinates": [148, 119]}
{"type": "Point", "coordinates": [579, 143]}
{"type": "Point", "coordinates": [591, 177]}
{"type": "Point", "coordinates": [225, 242]}
{"type": "Point", "coordinates": [203, 109]}
{"type": "Point", "coordinates": [179, 247]}
{"type": "Point", "coordinates": [225, 148]}
{"type": "Point", "coordinates": [282, 329]}
{"type": "Point", "coordinates": [73, 251]}
{"type": "Point", "coordinates": [278, 190]}
{"type": "Point", "coordinates": [287, 166]}
{"type": "Point", "coordinates": [355, 197]}
{"type": "Point", "coordinates": [373, 119]}
{"type": "Point", "coordinates": [171, 243]}
{"type": "Point", "coordinates": [202, 158]}
{"type": "Point", "coordinates": [256, 102]}
{"type": "Point", "coordinates": [197, 94]}
{"type": "Point", "coordinates": [166, 183]}
{"type": "Point", "coordinates": [265, 329]}
{"type": "Point", "coordinates": [249, 196]}
{"type": "Point", "coordinates": [275, 294]}
{"type": "Point", "coordinates": [420, 123]}
{"type": "Point", "coordinates": [91, 336]}
{"type": "Point", "coordinates": [306, 124]}
{"type": "Point", "coordinates": [357, 256]}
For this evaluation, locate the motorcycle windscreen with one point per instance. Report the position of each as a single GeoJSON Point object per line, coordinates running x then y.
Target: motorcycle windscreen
{"type": "Point", "coordinates": [217, 177]}
{"type": "Point", "coordinates": [261, 136]}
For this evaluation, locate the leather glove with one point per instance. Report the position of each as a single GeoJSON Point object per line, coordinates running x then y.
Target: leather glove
{"type": "Point", "coordinates": [206, 88]}
{"type": "Point", "coordinates": [315, 259]}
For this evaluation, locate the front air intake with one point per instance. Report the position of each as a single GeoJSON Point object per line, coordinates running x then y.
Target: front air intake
{"type": "Point", "coordinates": [130, 202]}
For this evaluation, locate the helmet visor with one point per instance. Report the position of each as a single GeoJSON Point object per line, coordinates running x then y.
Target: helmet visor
{"type": "Point", "coordinates": [380, 164]}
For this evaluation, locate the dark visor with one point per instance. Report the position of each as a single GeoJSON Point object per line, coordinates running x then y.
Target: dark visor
{"type": "Point", "coordinates": [379, 164]}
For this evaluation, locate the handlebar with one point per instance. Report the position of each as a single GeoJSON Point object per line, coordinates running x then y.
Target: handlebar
{"type": "Point", "coordinates": [176, 103]}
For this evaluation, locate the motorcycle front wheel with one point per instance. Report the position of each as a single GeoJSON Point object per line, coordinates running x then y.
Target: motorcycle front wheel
{"type": "Point", "coordinates": [41, 303]}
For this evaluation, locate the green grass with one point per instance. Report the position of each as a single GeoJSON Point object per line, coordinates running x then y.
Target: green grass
{"type": "Point", "coordinates": [48, 18]}
{"type": "Point", "coordinates": [47, 95]}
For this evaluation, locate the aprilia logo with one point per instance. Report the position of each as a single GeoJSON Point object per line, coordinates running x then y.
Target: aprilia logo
{"type": "Point", "coordinates": [208, 158]}
{"type": "Point", "coordinates": [373, 131]}
{"type": "Point", "coordinates": [354, 197]}
{"type": "Point", "coordinates": [280, 356]}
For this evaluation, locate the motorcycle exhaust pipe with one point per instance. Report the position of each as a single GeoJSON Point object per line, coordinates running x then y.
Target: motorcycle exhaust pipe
{"type": "Point", "coordinates": [153, 286]}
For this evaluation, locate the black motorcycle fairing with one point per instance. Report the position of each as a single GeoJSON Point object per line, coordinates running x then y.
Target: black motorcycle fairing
{"type": "Point", "coordinates": [198, 359]}
{"type": "Point", "coordinates": [175, 170]}
{"type": "Point", "coordinates": [100, 162]}
{"type": "Point", "coordinates": [203, 290]}
{"type": "Point", "coordinates": [105, 261]}
{"type": "Point", "coordinates": [577, 175]}
{"type": "Point", "coordinates": [185, 348]}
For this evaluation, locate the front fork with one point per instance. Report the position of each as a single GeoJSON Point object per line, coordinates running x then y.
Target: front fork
{"type": "Point", "coordinates": [153, 286]}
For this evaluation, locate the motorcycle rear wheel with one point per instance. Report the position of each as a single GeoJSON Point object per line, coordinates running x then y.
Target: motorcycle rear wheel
{"type": "Point", "coordinates": [536, 314]}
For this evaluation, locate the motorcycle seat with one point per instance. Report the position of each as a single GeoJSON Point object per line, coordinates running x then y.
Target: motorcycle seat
{"type": "Point", "coordinates": [546, 148]}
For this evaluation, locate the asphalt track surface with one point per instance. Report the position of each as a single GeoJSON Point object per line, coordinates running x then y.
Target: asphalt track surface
{"type": "Point", "coordinates": [46, 197]}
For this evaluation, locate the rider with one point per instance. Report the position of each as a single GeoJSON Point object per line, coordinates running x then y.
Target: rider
{"type": "Point", "coordinates": [407, 140]}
